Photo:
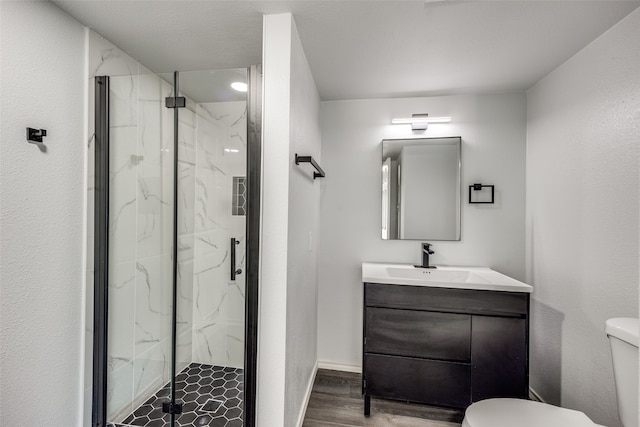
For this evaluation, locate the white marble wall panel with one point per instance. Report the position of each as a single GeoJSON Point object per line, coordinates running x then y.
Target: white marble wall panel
{"type": "Point", "coordinates": [151, 371]}
{"type": "Point", "coordinates": [105, 59]}
{"type": "Point", "coordinates": [122, 170]}
{"type": "Point", "coordinates": [86, 413]}
{"type": "Point", "coordinates": [185, 296]}
{"type": "Point", "coordinates": [155, 173]}
{"type": "Point", "coordinates": [212, 180]}
{"type": "Point", "coordinates": [233, 118]}
{"type": "Point", "coordinates": [119, 389]}
{"type": "Point", "coordinates": [218, 312]}
{"type": "Point", "coordinates": [88, 340]}
{"type": "Point", "coordinates": [122, 218]}
{"type": "Point", "coordinates": [209, 343]}
{"type": "Point", "coordinates": [123, 101]}
{"type": "Point", "coordinates": [235, 345]}
{"type": "Point", "coordinates": [91, 178]}
{"type": "Point", "coordinates": [187, 126]}
{"type": "Point", "coordinates": [211, 274]}
{"type": "Point", "coordinates": [89, 272]}
{"type": "Point", "coordinates": [122, 242]}
{"type": "Point", "coordinates": [153, 307]}
{"type": "Point", "coordinates": [236, 298]}
{"type": "Point", "coordinates": [154, 211]}
{"type": "Point", "coordinates": [184, 349]}
{"type": "Point", "coordinates": [122, 297]}
{"type": "Point", "coordinates": [186, 192]}
{"type": "Point", "coordinates": [186, 250]}
{"type": "Point", "coordinates": [212, 195]}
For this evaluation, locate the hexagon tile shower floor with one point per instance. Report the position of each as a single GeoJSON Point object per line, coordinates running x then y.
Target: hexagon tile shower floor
{"type": "Point", "coordinates": [212, 396]}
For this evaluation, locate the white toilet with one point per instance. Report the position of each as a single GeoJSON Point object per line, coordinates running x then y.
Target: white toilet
{"type": "Point", "coordinates": [623, 337]}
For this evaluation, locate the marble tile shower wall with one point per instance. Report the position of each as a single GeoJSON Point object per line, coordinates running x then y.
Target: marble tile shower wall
{"type": "Point", "coordinates": [218, 311]}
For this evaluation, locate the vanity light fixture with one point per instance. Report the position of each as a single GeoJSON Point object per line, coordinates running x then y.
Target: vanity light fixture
{"type": "Point", "coordinates": [420, 121]}
{"type": "Point", "coordinates": [239, 86]}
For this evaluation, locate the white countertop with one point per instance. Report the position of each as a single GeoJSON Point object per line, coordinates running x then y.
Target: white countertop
{"type": "Point", "coordinates": [474, 278]}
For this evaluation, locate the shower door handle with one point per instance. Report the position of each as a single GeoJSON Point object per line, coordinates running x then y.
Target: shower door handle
{"type": "Point", "coordinates": [234, 270]}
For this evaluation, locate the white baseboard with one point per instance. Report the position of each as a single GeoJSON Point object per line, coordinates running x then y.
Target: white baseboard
{"type": "Point", "coordinates": [339, 367]}
{"type": "Point", "coordinates": [303, 410]}
{"type": "Point", "coordinates": [533, 395]}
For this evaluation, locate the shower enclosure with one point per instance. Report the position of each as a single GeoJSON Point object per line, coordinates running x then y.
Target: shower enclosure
{"type": "Point", "coordinates": [176, 245]}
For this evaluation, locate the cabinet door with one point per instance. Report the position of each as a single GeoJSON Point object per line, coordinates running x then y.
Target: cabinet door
{"type": "Point", "coordinates": [499, 357]}
{"type": "Point", "coordinates": [418, 380]}
{"type": "Point", "coordinates": [418, 334]}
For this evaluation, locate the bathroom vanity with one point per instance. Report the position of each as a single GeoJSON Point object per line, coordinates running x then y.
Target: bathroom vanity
{"type": "Point", "coordinates": [449, 336]}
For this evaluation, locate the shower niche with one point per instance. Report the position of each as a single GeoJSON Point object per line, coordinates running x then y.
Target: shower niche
{"type": "Point", "coordinates": [173, 205]}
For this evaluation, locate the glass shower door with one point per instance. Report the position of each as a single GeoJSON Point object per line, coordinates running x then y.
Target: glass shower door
{"type": "Point", "coordinates": [140, 223]}
{"type": "Point", "coordinates": [177, 211]}
{"type": "Point", "coordinates": [212, 167]}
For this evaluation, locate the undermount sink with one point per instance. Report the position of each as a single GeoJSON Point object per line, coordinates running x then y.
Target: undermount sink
{"type": "Point", "coordinates": [479, 278]}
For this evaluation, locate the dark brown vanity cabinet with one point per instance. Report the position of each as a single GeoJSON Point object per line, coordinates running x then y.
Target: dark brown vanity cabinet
{"type": "Point", "coordinates": [444, 346]}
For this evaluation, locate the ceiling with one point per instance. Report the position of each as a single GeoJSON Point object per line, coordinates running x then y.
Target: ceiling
{"type": "Point", "coordinates": [210, 85]}
{"type": "Point", "coordinates": [363, 48]}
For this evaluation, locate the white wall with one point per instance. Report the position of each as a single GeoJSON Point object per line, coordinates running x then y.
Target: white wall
{"type": "Point", "coordinates": [304, 226]}
{"type": "Point", "coordinates": [583, 124]}
{"type": "Point", "coordinates": [274, 226]}
{"type": "Point", "coordinates": [492, 128]}
{"type": "Point", "coordinates": [290, 201]}
{"type": "Point", "coordinates": [42, 215]}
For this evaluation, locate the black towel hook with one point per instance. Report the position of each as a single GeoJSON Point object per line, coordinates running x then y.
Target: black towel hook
{"type": "Point", "coordinates": [34, 136]}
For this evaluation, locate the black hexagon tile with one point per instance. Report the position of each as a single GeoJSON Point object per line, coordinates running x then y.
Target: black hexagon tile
{"type": "Point", "coordinates": [211, 397]}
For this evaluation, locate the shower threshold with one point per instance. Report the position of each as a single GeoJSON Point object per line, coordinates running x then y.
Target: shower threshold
{"type": "Point", "coordinates": [212, 396]}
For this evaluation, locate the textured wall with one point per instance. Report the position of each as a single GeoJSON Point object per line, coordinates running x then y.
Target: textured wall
{"type": "Point", "coordinates": [492, 128]}
{"type": "Point", "coordinates": [275, 215]}
{"type": "Point", "coordinates": [583, 122]}
{"type": "Point", "coordinates": [304, 221]}
{"type": "Point", "coordinates": [42, 215]}
{"type": "Point", "coordinates": [290, 200]}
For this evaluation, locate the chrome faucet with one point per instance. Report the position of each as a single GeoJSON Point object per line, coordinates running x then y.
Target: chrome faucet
{"type": "Point", "coordinates": [426, 251]}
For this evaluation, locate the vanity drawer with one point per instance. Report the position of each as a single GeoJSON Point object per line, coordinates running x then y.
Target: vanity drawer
{"type": "Point", "coordinates": [418, 334]}
{"type": "Point", "coordinates": [446, 299]}
{"type": "Point", "coordinates": [418, 380]}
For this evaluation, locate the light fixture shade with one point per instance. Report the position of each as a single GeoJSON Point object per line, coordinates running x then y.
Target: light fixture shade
{"type": "Point", "coordinates": [419, 121]}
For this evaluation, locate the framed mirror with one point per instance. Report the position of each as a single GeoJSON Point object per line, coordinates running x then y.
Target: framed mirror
{"type": "Point", "coordinates": [421, 188]}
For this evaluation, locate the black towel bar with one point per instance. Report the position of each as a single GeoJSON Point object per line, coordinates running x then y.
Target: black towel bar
{"type": "Point", "coordinates": [309, 159]}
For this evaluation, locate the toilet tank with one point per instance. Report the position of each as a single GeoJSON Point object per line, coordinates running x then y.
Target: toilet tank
{"type": "Point", "coordinates": [623, 336]}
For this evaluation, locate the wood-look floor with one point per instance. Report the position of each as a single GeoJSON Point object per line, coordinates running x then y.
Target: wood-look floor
{"type": "Point", "coordinates": [336, 401]}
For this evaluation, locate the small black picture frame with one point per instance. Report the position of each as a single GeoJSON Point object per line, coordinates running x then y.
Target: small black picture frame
{"type": "Point", "coordinates": [478, 187]}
